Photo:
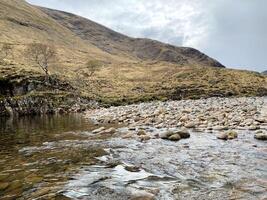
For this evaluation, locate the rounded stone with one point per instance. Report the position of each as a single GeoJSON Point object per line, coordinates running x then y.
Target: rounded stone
{"type": "Point", "coordinates": [222, 136]}
{"type": "Point", "coordinates": [260, 136]}
{"type": "Point", "coordinates": [145, 137]}
{"type": "Point", "coordinates": [231, 135]}
{"type": "Point", "coordinates": [175, 137]}
{"type": "Point", "coordinates": [184, 133]}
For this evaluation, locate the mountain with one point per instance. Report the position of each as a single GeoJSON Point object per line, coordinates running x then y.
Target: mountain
{"type": "Point", "coordinates": [132, 69]}
{"type": "Point", "coordinates": [264, 72]}
{"type": "Point", "coordinates": [119, 44]}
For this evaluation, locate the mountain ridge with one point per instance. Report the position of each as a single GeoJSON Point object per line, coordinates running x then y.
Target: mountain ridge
{"type": "Point", "coordinates": [116, 43]}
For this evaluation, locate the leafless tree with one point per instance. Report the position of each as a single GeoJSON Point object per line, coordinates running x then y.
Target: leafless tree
{"type": "Point", "coordinates": [42, 55]}
{"type": "Point", "coordinates": [5, 51]}
{"type": "Point", "coordinates": [93, 66]}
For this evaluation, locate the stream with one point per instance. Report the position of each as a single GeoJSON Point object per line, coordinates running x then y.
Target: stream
{"type": "Point", "coordinates": [58, 157]}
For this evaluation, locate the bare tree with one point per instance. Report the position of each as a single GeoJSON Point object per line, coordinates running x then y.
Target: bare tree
{"type": "Point", "coordinates": [93, 66]}
{"type": "Point", "coordinates": [5, 51]}
{"type": "Point", "coordinates": [42, 55]}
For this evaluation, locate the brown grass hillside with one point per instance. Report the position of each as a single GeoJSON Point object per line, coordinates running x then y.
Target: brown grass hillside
{"type": "Point", "coordinates": [132, 69]}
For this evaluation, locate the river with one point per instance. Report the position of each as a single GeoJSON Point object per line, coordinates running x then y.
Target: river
{"type": "Point", "coordinates": [57, 157]}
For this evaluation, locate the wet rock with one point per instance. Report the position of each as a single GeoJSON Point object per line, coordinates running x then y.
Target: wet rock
{"type": "Point", "coordinates": [231, 135]}
{"type": "Point", "coordinates": [141, 132]}
{"type": "Point", "coordinates": [98, 130]}
{"type": "Point", "coordinates": [132, 168]}
{"type": "Point", "coordinates": [3, 177]}
{"type": "Point", "coordinates": [3, 186]}
{"type": "Point", "coordinates": [222, 136]}
{"type": "Point", "coordinates": [253, 128]}
{"type": "Point", "coordinates": [14, 185]}
{"type": "Point", "coordinates": [175, 137]}
{"type": "Point", "coordinates": [144, 198]}
{"type": "Point", "coordinates": [227, 135]}
{"type": "Point", "coordinates": [260, 136]}
{"type": "Point", "coordinates": [190, 125]}
{"type": "Point", "coordinates": [128, 136]}
{"type": "Point", "coordinates": [41, 192]}
{"type": "Point", "coordinates": [184, 133]}
{"type": "Point", "coordinates": [166, 134]}
{"type": "Point", "coordinates": [144, 138]}
{"type": "Point", "coordinates": [109, 131]}
{"type": "Point", "coordinates": [261, 120]}
{"type": "Point", "coordinates": [34, 179]}
{"type": "Point", "coordinates": [219, 128]}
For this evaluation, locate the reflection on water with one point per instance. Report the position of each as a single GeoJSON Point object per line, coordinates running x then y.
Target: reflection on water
{"type": "Point", "coordinates": [38, 129]}
{"type": "Point", "coordinates": [36, 174]}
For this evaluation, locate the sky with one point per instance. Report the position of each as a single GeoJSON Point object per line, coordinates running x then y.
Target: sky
{"type": "Point", "coordinates": [232, 31]}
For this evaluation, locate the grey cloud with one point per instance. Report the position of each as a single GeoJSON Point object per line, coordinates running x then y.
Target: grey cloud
{"type": "Point", "coordinates": [234, 32]}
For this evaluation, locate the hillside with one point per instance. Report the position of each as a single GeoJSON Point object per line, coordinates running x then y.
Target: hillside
{"type": "Point", "coordinates": [132, 69]}
{"type": "Point", "coordinates": [119, 44]}
{"type": "Point", "coordinates": [265, 72]}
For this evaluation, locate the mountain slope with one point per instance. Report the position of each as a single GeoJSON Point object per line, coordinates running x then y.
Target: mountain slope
{"type": "Point", "coordinates": [116, 43]}
{"type": "Point", "coordinates": [131, 69]}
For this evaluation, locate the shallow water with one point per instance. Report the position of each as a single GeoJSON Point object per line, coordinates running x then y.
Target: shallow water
{"type": "Point", "coordinates": [56, 157]}
{"type": "Point", "coordinates": [32, 175]}
{"type": "Point", "coordinates": [201, 167]}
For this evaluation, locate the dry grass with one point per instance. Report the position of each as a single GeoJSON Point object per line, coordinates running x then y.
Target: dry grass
{"type": "Point", "coordinates": [122, 79]}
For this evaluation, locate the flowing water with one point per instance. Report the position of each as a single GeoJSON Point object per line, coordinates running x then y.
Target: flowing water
{"type": "Point", "coordinates": [57, 157]}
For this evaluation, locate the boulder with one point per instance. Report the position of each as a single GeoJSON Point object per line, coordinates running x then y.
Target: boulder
{"type": "Point", "coordinates": [227, 135]}
{"type": "Point", "coordinates": [184, 133]}
{"type": "Point", "coordinates": [260, 136]}
{"type": "Point", "coordinates": [166, 134]}
{"type": "Point", "coordinates": [222, 136]}
{"type": "Point", "coordinates": [175, 137]}
{"type": "Point", "coordinates": [144, 138]}
{"type": "Point", "coordinates": [231, 135]}
{"type": "Point", "coordinates": [253, 128]}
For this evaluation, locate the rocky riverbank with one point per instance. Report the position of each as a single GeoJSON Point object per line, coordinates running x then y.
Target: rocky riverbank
{"type": "Point", "coordinates": [174, 119]}
{"type": "Point", "coordinates": [204, 149]}
{"type": "Point", "coordinates": [44, 104]}
{"type": "Point", "coordinates": [27, 93]}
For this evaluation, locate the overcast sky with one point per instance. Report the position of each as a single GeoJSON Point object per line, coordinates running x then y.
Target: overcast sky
{"type": "Point", "coordinates": [232, 31]}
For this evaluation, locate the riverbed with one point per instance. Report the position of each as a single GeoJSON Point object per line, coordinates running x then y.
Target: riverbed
{"type": "Point", "coordinates": [102, 155]}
